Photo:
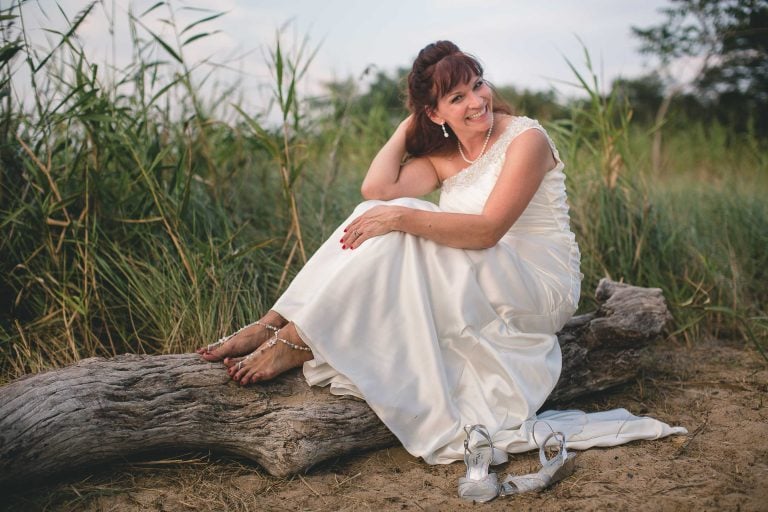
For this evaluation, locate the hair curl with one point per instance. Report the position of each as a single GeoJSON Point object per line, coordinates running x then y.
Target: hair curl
{"type": "Point", "coordinates": [437, 70]}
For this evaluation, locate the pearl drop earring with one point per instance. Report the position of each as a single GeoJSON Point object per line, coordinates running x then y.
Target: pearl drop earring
{"type": "Point", "coordinates": [445, 132]}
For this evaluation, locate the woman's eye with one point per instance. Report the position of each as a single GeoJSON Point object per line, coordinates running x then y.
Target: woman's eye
{"type": "Point", "coordinates": [455, 99]}
{"type": "Point", "coordinates": [479, 84]}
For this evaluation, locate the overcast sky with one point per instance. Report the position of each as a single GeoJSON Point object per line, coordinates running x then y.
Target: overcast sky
{"type": "Point", "coordinates": [520, 42]}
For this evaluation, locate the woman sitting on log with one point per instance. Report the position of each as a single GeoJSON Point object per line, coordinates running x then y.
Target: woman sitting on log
{"type": "Point", "coordinates": [441, 316]}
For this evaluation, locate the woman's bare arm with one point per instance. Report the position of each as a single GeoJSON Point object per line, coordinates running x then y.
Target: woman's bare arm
{"type": "Point", "coordinates": [388, 178]}
{"type": "Point", "coordinates": [528, 159]}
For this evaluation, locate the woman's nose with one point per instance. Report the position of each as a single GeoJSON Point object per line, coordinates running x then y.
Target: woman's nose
{"type": "Point", "coordinates": [475, 100]}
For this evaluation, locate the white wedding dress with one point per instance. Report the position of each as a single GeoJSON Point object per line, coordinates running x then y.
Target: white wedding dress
{"type": "Point", "coordinates": [434, 338]}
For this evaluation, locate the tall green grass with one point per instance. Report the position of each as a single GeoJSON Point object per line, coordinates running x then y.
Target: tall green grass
{"type": "Point", "coordinates": [131, 218]}
{"type": "Point", "coordinates": [698, 229]}
{"type": "Point", "coordinates": [134, 216]}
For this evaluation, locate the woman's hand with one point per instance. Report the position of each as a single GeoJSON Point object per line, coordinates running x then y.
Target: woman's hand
{"type": "Point", "coordinates": [377, 221]}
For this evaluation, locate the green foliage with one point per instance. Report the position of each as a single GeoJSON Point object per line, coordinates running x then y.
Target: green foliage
{"type": "Point", "coordinates": [385, 92]}
{"type": "Point", "coordinates": [541, 105]}
{"type": "Point", "coordinates": [134, 219]}
{"type": "Point", "coordinates": [127, 219]}
{"type": "Point", "coordinates": [730, 38]}
{"type": "Point", "coordinates": [287, 146]}
{"type": "Point", "coordinates": [681, 230]}
{"type": "Point", "coordinates": [644, 93]}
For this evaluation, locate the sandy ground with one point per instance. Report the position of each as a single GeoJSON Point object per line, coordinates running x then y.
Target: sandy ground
{"type": "Point", "coordinates": [717, 391]}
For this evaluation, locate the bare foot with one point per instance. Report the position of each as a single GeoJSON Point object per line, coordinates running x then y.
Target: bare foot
{"type": "Point", "coordinates": [245, 341]}
{"type": "Point", "coordinates": [271, 359]}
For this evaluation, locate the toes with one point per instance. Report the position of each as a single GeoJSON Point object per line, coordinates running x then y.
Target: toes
{"type": "Point", "coordinates": [229, 362]}
{"type": "Point", "coordinates": [259, 376]}
{"type": "Point", "coordinates": [263, 376]}
{"type": "Point", "coordinates": [232, 366]}
{"type": "Point", "coordinates": [242, 372]}
{"type": "Point", "coordinates": [202, 351]}
{"type": "Point", "coordinates": [249, 377]}
{"type": "Point", "coordinates": [245, 375]}
{"type": "Point", "coordinates": [262, 366]}
{"type": "Point", "coordinates": [238, 373]}
{"type": "Point", "coordinates": [210, 356]}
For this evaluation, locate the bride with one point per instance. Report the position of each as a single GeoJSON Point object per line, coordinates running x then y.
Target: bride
{"type": "Point", "coordinates": [442, 315]}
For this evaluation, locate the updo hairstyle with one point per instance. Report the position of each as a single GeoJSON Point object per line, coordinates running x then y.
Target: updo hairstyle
{"type": "Point", "coordinates": [437, 70]}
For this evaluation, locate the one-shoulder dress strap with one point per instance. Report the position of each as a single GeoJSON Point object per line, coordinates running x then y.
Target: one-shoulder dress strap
{"type": "Point", "coordinates": [492, 161]}
{"type": "Point", "coordinates": [523, 123]}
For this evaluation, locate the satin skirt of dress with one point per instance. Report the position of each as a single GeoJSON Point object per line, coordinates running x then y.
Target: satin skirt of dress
{"type": "Point", "coordinates": [432, 337]}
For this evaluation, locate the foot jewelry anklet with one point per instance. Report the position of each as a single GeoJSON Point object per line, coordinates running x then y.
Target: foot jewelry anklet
{"type": "Point", "coordinates": [275, 339]}
{"type": "Point", "coordinates": [293, 345]}
{"type": "Point", "coordinates": [225, 339]}
{"type": "Point", "coordinates": [271, 343]}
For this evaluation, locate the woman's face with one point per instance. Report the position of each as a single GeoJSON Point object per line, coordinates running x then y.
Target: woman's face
{"type": "Point", "coordinates": [467, 106]}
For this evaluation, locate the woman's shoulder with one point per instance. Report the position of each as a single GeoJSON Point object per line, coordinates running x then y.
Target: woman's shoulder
{"type": "Point", "coordinates": [514, 125]}
{"type": "Point", "coordinates": [517, 125]}
{"type": "Point", "coordinates": [510, 127]}
{"type": "Point", "coordinates": [525, 134]}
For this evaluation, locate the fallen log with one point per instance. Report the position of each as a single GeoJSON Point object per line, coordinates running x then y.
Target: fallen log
{"type": "Point", "coordinates": [101, 410]}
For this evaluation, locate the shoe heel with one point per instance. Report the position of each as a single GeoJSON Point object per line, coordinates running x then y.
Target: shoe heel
{"type": "Point", "coordinates": [478, 485]}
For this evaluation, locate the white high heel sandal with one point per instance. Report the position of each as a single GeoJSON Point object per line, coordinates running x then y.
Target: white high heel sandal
{"type": "Point", "coordinates": [479, 485]}
{"type": "Point", "coordinates": [552, 470]}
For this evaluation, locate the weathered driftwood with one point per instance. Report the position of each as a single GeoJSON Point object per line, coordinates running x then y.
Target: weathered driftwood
{"type": "Point", "coordinates": [102, 410]}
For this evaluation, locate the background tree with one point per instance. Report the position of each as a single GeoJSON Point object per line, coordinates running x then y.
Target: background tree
{"type": "Point", "coordinates": [644, 93]}
{"type": "Point", "coordinates": [542, 105]}
{"type": "Point", "coordinates": [728, 40]}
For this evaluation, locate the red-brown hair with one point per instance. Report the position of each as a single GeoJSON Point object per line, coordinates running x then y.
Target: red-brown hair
{"type": "Point", "coordinates": [437, 70]}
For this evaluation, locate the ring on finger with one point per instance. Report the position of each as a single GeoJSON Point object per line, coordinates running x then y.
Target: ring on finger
{"type": "Point", "coordinates": [357, 233]}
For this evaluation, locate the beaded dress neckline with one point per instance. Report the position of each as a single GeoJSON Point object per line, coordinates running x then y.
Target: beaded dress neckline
{"type": "Point", "coordinates": [484, 156]}
{"type": "Point", "coordinates": [485, 163]}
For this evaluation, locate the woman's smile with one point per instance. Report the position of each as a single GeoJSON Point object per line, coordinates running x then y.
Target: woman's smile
{"type": "Point", "coordinates": [479, 114]}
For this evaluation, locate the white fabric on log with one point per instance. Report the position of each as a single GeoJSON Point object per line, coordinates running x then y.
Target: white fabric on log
{"type": "Point", "coordinates": [434, 337]}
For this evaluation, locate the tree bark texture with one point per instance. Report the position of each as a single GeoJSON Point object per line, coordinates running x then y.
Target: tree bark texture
{"type": "Point", "coordinates": [101, 410]}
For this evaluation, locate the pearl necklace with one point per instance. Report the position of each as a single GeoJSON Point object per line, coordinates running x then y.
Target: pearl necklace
{"type": "Point", "coordinates": [482, 151]}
